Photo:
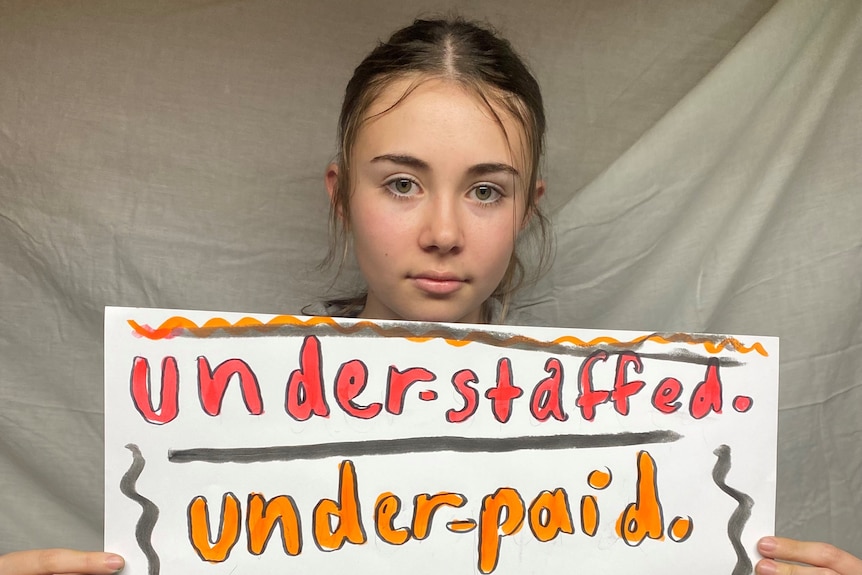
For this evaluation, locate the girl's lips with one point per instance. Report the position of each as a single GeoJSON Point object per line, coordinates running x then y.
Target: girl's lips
{"type": "Point", "coordinates": [438, 285]}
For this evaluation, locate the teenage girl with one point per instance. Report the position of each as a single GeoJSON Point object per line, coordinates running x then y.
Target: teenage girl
{"type": "Point", "coordinates": [441, 134]}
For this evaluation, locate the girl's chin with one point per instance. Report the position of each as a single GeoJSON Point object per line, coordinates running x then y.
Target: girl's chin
{"type": "Point", "coordinates": [438, 310]}
{"type": "Point", "coordinates": [435, 316]}
{"type": "Point", "coordinates": [447, 316]}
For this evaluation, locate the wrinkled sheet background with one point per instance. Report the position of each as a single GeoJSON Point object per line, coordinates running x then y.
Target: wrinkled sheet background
{"type": "Point", "coordinates": [703, 169]}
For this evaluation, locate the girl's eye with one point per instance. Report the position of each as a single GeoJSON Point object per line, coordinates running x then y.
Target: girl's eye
{"type": "Point", "coordinates": [486, 194]}
{"type": "Point", "coordinates": [402, 186]}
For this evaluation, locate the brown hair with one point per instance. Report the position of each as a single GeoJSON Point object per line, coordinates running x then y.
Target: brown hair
{"type": "Point", "coordinates": [479, 60]}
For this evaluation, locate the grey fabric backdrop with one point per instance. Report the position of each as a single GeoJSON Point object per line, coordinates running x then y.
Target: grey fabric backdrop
{"type": "Point", "coordinates": [703, 168]}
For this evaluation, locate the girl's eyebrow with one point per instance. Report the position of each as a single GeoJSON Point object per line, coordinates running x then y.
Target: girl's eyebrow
{"type": "Point", "coordinates": [492, 168]}
{"type": "Point", "coordinates": [404, 160]}
{"type": "Point", "coordinates": [416, 163]}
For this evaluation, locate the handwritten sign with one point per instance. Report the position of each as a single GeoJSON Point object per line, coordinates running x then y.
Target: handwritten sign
{"type": "Point", "coordinates": [264, 444]}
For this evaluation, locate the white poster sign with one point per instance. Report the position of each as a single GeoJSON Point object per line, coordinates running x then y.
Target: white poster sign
{"type": "Point", "coordinates": [285, 444]}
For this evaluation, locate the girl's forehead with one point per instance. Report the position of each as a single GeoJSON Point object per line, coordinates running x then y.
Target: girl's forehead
{"type": "Point", "coordinates": [427, 88]}
{"type": "Point", "coordinates": [428, 110]}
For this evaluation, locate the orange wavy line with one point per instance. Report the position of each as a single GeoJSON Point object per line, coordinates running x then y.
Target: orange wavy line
{"type": "Point", "coordinates": [178, 324]}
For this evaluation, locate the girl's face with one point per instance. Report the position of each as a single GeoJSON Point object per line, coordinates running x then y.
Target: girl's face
{"type": "Point", "coordinates": [437, 202]}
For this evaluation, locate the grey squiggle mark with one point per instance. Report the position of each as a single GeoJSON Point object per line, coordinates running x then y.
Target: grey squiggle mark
{"type": "Point", "coordinates": [418, 445]}
{"type": "Point", "coordinates": [150, 513]}
{"type": "Point", "coordinates": [740, 516]}
{"type": "Point", "coordinates": [493, 338]}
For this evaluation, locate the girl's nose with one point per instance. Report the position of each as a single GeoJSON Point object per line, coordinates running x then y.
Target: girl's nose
{"type": "Point", "coordinates": [442, 229]}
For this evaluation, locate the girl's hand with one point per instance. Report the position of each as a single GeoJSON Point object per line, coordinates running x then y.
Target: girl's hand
{"type": "Point", "coordinates": [816, 558]}
{"type": "Point", "coordinates": [65, 561]}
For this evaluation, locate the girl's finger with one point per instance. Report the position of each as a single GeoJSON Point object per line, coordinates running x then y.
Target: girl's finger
{"type": "Point", "coordinates": [821, 555]}
{"type": "Point", "coordinates": [50, 561]}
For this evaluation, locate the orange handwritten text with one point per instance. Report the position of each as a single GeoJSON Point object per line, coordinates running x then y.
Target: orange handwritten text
{"type": "Point", "coordinates": [501, 515]}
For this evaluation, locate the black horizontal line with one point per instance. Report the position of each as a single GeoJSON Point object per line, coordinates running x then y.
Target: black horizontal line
{"type": "Point", "coordinates": [417, 445]}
